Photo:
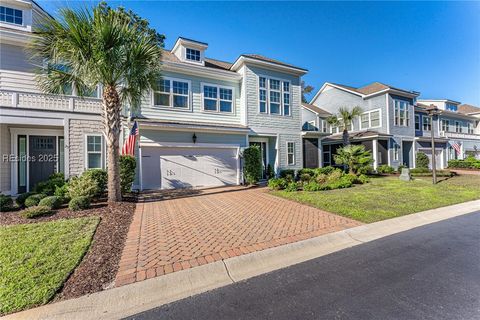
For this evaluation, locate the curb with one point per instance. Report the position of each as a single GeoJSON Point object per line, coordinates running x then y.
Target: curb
{"type": "Point", "coordinates": [131, 299]}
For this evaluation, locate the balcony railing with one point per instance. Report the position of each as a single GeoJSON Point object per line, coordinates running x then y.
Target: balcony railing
{"type": "Point", "coordinates": [458, 135]}
{"type": "Point", "coordinates": [40, 101]}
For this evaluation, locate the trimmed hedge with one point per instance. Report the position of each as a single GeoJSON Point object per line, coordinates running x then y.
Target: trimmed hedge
{"type": "Point", "coordinates": [48, 187]}
{"type": "Point", "coordinates": [468, 163]}
{"type": "Point", "coordinates": [52, 202]}
{"type": "Point", "coordinates": [79, 203]}
{"type": "Point", "coordinates": [422, 160]}
{"type": "Point", "coordinates": [35, 211]}
{"type": "Point", "coordinates": [385, 169]}
{"type": "Point", "coordinates": [34, 200]}
{"type": "Point", "coordinates": [252, 166]}
{"type": "Point", "coordinates": [127, 172]}
{"type": "Point", "coordinates": [6, 203]}
{"type": "Point", "coordinates": [20, 200]}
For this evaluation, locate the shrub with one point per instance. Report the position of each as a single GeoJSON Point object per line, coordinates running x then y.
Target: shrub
{"type": "Point", "coordinates": [277, 183]}
{"type": "Point", "coordinates": [270, 172]}
{"type": "Point", "coordinates": [325, 170]}
{"type": "Point", "coordinates": [34, 199]}
{"type": "Point", "coordinates": [52, 202]}
{"type": "Point", "coordinates": [79, 203]}
{"type": "Point", "coordinates": [334, 175]}
{"type": "Point", "coordinates": [420, 170]}
{"type": "Point", "coordinates": [288, 174]}
{"type": "Point", "coordinates": [35, 211]}
{"type": "Point", "coordinates": [292, 186]}
{"type": "Point", "coordinates": [127, 172]}
{"type": "Point", "coordinates": [62, 193]}
{"type": "Point", "coordinates": [355, 157]}
{"type": "Point", "coordinates": [351, 177]}
{"type": "Point", "coordinates": [363, 179]}
{"type": "Point", "coordinates": [384, 168]}
{"type": "Point", "coordinates": [48, 187]}
{"type": "Point", "coordinates": [321, 178]}
{"type": "Point", "coordinates": [305, 177]}
{"type": "Point", "coordinates": [83, 186]}
{"type": "Point", "coordinates": [343, 182]}
{"type": "Point", "coordinates": [313, 186]}
{"type": "Point", "coordinates": [252, 167]}
{"type": "Point", "coordinates": [100, 176]}
{"type": "Point", "coordinates": [422, 160]}
{"type": "Point", "coordinates": [468, 163]}
{"type": "Point", "coordinates": [22, 197]}
{"type": "Point", "coordinates": [305, 171]}
{"type": "Point", "coordinates": [6, 203]}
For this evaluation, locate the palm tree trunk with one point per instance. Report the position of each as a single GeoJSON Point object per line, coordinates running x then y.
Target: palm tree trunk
{"type": "Point", "coordinates": [111, 118]}
{"type": "Point", "coordinates": [346, 139]}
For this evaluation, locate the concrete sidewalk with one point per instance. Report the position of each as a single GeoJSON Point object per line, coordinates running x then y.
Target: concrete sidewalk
{"type": "Point", "coordinates": [131, 299]}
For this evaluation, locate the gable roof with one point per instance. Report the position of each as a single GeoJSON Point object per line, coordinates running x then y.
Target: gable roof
{"type": "Point", "coordinates": [167, 55]}
{"type": "Point", "coordinates": [266, 59]}
{"type": "Point", "coordinates": [317, 110]}
{"type": "Point", "coordinates": [468, 109]}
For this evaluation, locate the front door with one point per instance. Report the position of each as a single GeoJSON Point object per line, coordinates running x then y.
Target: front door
{"type": "Point", "coordinates": [407, 150]}
{"type": "Point", "coordinates": [43, 158]}
{"type": "Point", "coordinates": [263, 151]}
{"type": "Point", "coordinates": [310, 153]}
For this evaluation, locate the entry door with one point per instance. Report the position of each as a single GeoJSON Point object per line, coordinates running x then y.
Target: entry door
{"type": "Point", "coordinates": [43, 158]}
{"type": "Point", "coordinates": [310, 153]}
{"type": "Point", "coordinates": [263, 151]}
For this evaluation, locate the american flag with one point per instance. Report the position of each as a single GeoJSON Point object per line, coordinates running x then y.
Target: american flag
{"type": "Point", "coordinates": [129, 146]}
{"type": "Point", "coordinates": [457, 147]}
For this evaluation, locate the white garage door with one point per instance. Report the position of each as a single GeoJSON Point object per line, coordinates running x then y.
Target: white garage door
{"type": "Point", "coordinates": [438, 157]}
{"type": "Point", "coordinates": [188, 167]}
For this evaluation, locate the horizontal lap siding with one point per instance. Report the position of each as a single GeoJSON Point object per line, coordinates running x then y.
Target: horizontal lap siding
{"type": "Point", "coordinates": [4, 165]}
{"type": "Point", "coordinates": [196, 114]}
{"type": "Point", "coordinates": [186, 137]}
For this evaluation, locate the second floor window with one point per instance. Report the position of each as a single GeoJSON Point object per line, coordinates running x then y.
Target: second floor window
{"type": "Point", "coordinates": [290, 153]}
{"type": "Point", "coordinates": [193, 55]}
{"type": "Point", "coordinates": [458, 127]}
{"type": "Point", "coordinates": [217, 99]}
{"type": "Point", "coordinates": [171, 93]}
{"type": "Point", "coordinates": [417, 122]}
{"type": "Point", "coordinates": [470, 128]}
{"type": "Point", "coordinates": [370, 119]}
{"type": "Point", "coordinates": [274, 96]}
{"type": "Point", "coordinates": [402, 115]}
{"type": "Point", "coordinates": [427, 124]}
{"type": "Point", "coordinates": [324, 124]}
{"type": "Point", "coordinates": [445, 125]}
{"type": "Point", "coordinates": [11, 15]}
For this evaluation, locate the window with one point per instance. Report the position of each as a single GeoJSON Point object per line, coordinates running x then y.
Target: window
{"type": "Point", "coordinates": [94, 152]}
{"type": "Point", "coordinates": [274, 96]}
{"type": "Point", "coordinates": [370, 119]}
{"type": "Point", "coordinates": [402, 116]}
{"type": "Point", "coordinates": [445, 125]}
{"type": "Point", "coordinates": [11, 15]}
{"type": "Point", "coordinates": [61, 154]}
{"type": "Point", "coordinates": [324, 126]}
{"type": "Point", "coordinates": [22, 164]}
{"type": "Point", "coordinates": [396, 152]}
{"type": "Point", "coordinates": [427, 124]}
{"type": "Point", "coordinates": [417, 122]}
{"type": "Point", "coordinates": [458, 127]}
{"type": "Point", "coordinates": [171, 93]}
{"type": "Point", "coordinates": [193, 55]}
{"type": "Point", "coordinates": [451, 107]}
{"type": "Point", "coordinates": [218, 99]}
{"type": "Point", "coordinates": [470, 128]}
{"type": "Point", "coordinates": [290, 153]}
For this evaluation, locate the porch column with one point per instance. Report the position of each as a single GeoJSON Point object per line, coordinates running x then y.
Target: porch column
{"type": "Point", "coordinates": [320, 153]}
{"type": "Point", "coordinates": [375, 153]}
{"type": "Point", "coordinates": [66, 153]}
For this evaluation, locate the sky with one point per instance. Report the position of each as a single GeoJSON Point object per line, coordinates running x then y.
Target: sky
{"type": "Point", "coordinates": [430, 47]}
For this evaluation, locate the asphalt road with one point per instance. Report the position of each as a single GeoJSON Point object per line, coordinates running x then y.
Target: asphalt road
{"type": "Point", "coordinates": [431, 272]}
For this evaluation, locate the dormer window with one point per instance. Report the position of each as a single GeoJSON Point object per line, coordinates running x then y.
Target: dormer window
{"type": "Point", "coordinates": [11, 15]}
{"type": "Point", "coordinates": [193, 55]}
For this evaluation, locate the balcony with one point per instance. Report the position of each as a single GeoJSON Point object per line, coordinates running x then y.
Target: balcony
{"type": "Point", "coordinates": [458, 135]}
{"type": "Point", "coordinates": [39, 101]}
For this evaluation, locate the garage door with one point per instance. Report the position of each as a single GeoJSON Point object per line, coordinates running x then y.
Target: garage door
{"type": "Point", "coordinates": [169, 168]}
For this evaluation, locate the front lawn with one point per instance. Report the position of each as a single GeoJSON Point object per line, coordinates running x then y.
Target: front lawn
{"type": "Point", "coordinates": [36, 259]}
{"type": "Point", "coordinates": [388, 197]}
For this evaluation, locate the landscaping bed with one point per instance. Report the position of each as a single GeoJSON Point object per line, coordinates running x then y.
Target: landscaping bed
{"type": "Point", "coordinates": [389, 197]}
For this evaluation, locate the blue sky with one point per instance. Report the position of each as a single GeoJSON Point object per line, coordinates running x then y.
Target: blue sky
{"type": "Point", "coordinates": [431, 47]}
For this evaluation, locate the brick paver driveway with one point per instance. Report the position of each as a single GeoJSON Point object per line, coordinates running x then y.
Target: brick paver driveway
{"type": "Point", "coordinates": [175, 234]}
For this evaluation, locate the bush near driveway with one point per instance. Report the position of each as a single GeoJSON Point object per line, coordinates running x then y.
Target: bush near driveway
{"type": "Point", "coordinates": [127, 172]}
{"type": "Point", "coordinates": [388, 197]}
{"type": "Point", "coordinates": [252, 167]}
{"type": "Point", "coordinates": [34, 199]}
{"type": "Point", "coordinates": [36, 259]}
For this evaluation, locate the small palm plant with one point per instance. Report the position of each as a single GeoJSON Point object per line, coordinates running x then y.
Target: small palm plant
{"type": "Point", "coordinates": [355, 157]}
{"type": "Point", "coordinates": [110, 48]}
{"type": "Point", "coordinates": [344, 119]}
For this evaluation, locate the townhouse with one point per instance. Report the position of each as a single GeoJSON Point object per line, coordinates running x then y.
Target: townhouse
{"type": "Point", "coordinates": [394, 125]}
{"type": "Point", "coordinates": [193, 126]}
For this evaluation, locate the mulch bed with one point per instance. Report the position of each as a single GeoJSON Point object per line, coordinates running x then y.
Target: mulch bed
{"type": "Point", "coordinates": [98, 268]}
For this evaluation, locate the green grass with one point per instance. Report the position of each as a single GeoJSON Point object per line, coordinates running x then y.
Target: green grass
{"type": "Point", "coordinates": [388, 197]}
{"type": "Point", "coordinates": [36, 259]}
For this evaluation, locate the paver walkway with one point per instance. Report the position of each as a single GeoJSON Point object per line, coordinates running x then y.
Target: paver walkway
{"type": "Point", "coordinates": [175, 234]}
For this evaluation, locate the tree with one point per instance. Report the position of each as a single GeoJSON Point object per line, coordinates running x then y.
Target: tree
{"type": "Point", "coordinates": [355, 157]}
{"type": "Point", "coordinates": [306, 90]}
{"type": "Point", "coordinates": [110, 48]}
{"type": "Point", "coordinates": [253, 166]}
{"type": "Point", "coordinates": [344, 119]}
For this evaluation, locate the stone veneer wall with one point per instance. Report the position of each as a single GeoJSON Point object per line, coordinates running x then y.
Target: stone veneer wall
{"type": "Point", "coordinates": [78, 129]}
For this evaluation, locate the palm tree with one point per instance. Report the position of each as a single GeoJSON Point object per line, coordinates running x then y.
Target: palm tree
{"type": "Point", "coordinates": [355, 157]}
{"type": "Point", "coordinates": [344, 119]}
{"type": "Point", "coordinates": [110, 48]}
{"type": "Point", "coordinates": [306, 90]}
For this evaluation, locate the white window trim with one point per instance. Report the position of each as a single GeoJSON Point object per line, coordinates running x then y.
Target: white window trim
{"type": "Point", "coordinates": [287, 153]}
{"type": "Point", "coordinates": [102, 152]}
{"type": "Point", "coordinates": [339, 129]}
{"type": "Point", "coordinates": [417, 116]}
{"type": "Point", "coordinates": [429, 123]}
{"type": "Point", "coordinates": [193, 49]}
{"type": "Point", "coordinates": [396, 152]}
{"type": "Point", "coordinates": [13, 23]}
{"type": "Point", "coordinates": [203, 84]}
{"type": "Point", "coordinates": [171, 107]}
{"type": "Point", "coordinates": [369, 112]}
{"type": "Point", "coordinates": [407, 114]}
{"type": "Point", "coordinates": [267, 89]}
{"type": "Point", "coordinates": [447, 122]}
{"type": "Point", "coordinates": [458, 127]}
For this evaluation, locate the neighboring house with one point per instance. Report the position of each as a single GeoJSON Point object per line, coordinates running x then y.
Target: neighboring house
{"type": "Point", "coordinates": [39, 134]}
{"type": "Point", "coordinates": [193, 127]}
{"type": "Point", "coordinates": [395, 126]}
{"type": "Point", "coordinates": [315, 127]}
